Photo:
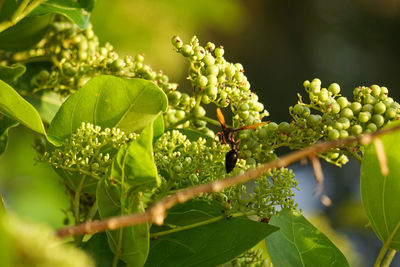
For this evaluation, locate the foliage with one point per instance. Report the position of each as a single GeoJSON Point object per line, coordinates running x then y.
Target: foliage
{"type": "Point", "coordinates": [122, 137]}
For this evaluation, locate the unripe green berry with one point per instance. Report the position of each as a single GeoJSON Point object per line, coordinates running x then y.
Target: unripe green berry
{"type": "Point", "coordinates": [333, 134]}
{"type": "Point", "coordinates": [379, 120]}
{"type": "Point", "coordinates": [380, 108]}
{"type": "Point", "coordinates": [272, 126]}
{"type": "Point", "coordinates": [390, 113]}
{"type": "Point", "coordinates": [338, 126]}
{"type": "Point", "coordinates": [230, 70]}
{"type": "Point", "coordinates": [239, 67]}
{"type": "Point", "coordinates": [244, 106]}
{"type": "Point", "coordinates": [334, 88]}
{"type": "Point", "coordinates": [356, 107]}
{"type": "Point", "coordinates": [342, 101]}
{"type": "Point", "coordinates": [284, 127]}
{"type": "Point", "coordinates": [185, 100]}
{"type": "Point", "coordinates": [212, 70]}
{"type": "Point", "coordinates": [323, 95]}
{"type": "Point", "coordinates": [140, 57]}
{"type": "Point", "coordinates": [206, 100]}
{"type": "Point", "coordinates": [210, 46]}
{"type": "Point", "coordinates": [43, 75]}
{"type": "Point", "coordinates": [345, 122]}
{"type": "Point", "coordinates": [176, 42]}
{"type": "Point", "coordinates": [384, 91]}
{"type": "Point", "coordinates": [368, 107]}
{"type": "Point", "coordinates": [263, 132]}
{"type": "Point", "coordinates": [244, 114]}
{"type": "Point", "coordinates": [372, 127]}
{"type": "Point", "coordinates": [199, 52]}
{"type": "Point", "coordinates": [347, 113]}
{"type": "Point", "coordinates": [209, 60]}
{"type": "Point", "coordinates": [376, 90]}
{"type": "Point", "coordinates": [211, 91]}
{"type": "Point", "coordinates": [68, 69]}
{"type": "Point", "coordinates": [356, 129]}
{"type": "Point", "coordinates": [212, 79]}
{"type": "Point", "coordinates": [198, 112]}
{"type": "Point", "coordinates": [369, 99]}
{"type": "Point", "coordinates": [202, 81]}
{"type": "Point", "coordinates": [335, 107]}
{"type": "Point", "coordinates": [314, 119]}
{"type": "Point", "coordinates": [306, 84]}
{"type": "Point", "coordinates": [219, 51]}
{"type": "Point", "coordinates": [174, 97]}
{"type": "Point", "coordinates": [118, 64]}
{"type": "Point", "coordinates": [364, 116]}
{"type": "Point", "coordinates": [187, 50]}
{"type": "Point", "coordinates": [180, 114]}
{"type": "Point", "coordinates": [298, 109]}
{"type": "Point", "coordinates": [344, 134]}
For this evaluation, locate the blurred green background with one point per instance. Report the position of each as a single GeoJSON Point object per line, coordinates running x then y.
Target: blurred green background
{"type": "Point", "coordinates": [280, 44]}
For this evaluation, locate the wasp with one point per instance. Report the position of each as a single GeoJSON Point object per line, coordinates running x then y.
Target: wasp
{"type": "Point", "coordinates": [228, 136]}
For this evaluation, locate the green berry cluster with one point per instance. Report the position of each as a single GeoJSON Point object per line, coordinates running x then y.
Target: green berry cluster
{"type": "Point", "coordinates": [88, 151]}
{"type": "Point", "coordinates": [182, 163]}
{"type": "Point", "coordinates": [331, 116]}
{"type": "Point", "coordinates": [215, 80]}
{"type": "Point", "coordinates": [72, 56]}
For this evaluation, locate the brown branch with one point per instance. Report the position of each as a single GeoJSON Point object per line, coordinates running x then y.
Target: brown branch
{"type": "Point", "coordinates": [318, 174]}
{"type": "Point", "coordinates": [380, 153]}
{"type": "Point", "coordinates": [157, 212]}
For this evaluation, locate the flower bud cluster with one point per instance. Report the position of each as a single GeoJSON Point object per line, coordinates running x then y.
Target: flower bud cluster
{"type": "Point", "coordinates": [182, 163]}
{"type": "Point", "coordinates": [90, 150]}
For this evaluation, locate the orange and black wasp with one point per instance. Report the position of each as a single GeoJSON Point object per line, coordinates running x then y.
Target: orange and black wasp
{"type": "Point", "coordinates": [227, 136]}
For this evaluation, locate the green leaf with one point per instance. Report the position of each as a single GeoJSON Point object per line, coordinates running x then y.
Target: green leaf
{"type": "Point", "coordinates": [88, 5]}
{"type": "Point", "coordinates": [2, 206]}
{"type": "Point", "coordinates": [10, 74]}
{"type": "Point", "coordinates": [5, 125]}
{"type": "Point", "coordinates": [158, 127]}
{"type": "Point", "coordinates": [98, 248]}
{"type": "Point", "coordinates": [108, 101]}
{"type": "Point", "coordinates": [25, 34]}
{"type": "Point", "coordinates": [213, 241]}
{"type": "Point", "coordinates": [134, 163]}
{"type": "Point", "coordinates": [15, 107]}
{"type": "Point", "coordinates": [46, 103]}
{"type": "Point", "coordinates": [379, 193]}
{"type": "Point", "coordinates": [133, 171]}
{"type": "Point", "coordinates": [299, 243]}
{"type": "Point", "coordinates": [69, 8]}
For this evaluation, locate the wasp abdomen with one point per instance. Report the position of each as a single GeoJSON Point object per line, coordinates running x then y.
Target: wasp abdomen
{"type": "Point", "coordinates": [230, 160]}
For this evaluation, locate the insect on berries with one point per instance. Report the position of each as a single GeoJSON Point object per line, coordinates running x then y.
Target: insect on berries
{"type": "Point", "coordinates": [227, 136]}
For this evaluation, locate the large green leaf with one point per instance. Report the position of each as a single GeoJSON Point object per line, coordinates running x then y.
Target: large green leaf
{"type": "Point", "coordinates": [108, 101]}
{"type": "Point", "coordinates": [214, 241]}
{"type": "Point", "coordinates": [299, 243]}
{"type": "Point", "coordinates": [69, 8]}
{"type": "Point", "coordinates": [26, 33]}
{"type": "Point", "coordinates": [380, 194]}
{"type": "Point", "coordinates": [46, 103]}
{"type": "Point", "coordinates": [133, 171]}
{"type": "Point", "coordinates": [11, 73]}
{"type": "Point", "coordinates": [5, 125]}
{"type": "Point", "coordinates": [97, 247]}
{"type": "Point", "coordinates": [15, 107]}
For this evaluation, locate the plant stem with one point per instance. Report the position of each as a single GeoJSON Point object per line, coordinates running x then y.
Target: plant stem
{"type": "Point", "coordinates": [77, 199]}
{"type": "Point", "coordinates": [389, 257]}
{"type": "Point", "coordinates": [21, 12]}
{"type": "Point", "coordinates": [176, 124]}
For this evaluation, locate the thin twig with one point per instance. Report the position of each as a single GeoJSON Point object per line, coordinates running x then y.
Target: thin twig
{"type": "Point", "coordinates": [380, 153]}
{"type": "Point", "coordinates": [318, 174]}
{"type": "Point", "coordinates": [157, 212]}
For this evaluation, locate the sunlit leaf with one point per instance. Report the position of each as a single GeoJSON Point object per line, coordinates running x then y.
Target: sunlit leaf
{"type": "Point", "coordinates": [133, 172]}
{"type": "Point", "coordinates": [380, 194]}
{"type": "Point", "coordinates": [299, 243]}
{"type": "Point", "coordinates": [17, 108]}
{"type": "Point", "coordinates": [108, 101]}
{"type": "Point", "coordinates": [5, 125]}
{"type": "Point", "coordinates": [69, 8]}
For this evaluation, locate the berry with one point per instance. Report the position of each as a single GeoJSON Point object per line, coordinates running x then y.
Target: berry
{"type": "Point", "coordinates": [209, 60]}
{"type": "Point", "coordinates": [333, 134]}
{"type": "Point", "coordinates": [380, 108]}
{"type": "Point", "coordinates": [219, 51]}
{"type": "Point", "coordinates": [176, 42]}
{"type": "Point", "coordinates": [356, 129]}
{"type": "Point", "coordinates": [364, 116]}
{"type": "Point", "coordinates": [187, 50]}
{"type": "Point", "coordinates": [334, 88]}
